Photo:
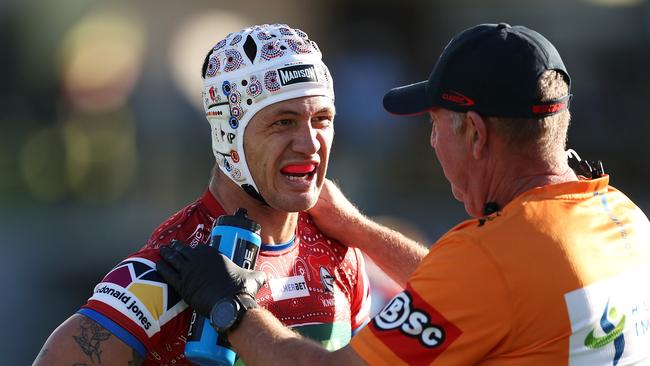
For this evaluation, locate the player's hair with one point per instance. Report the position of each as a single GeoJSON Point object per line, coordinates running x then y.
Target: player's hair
{"type": "Point", "coordinates": [540, 137]}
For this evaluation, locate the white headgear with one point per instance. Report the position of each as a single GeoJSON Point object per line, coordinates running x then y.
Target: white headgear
{"type": "Point", "coordinates": [248, 71]}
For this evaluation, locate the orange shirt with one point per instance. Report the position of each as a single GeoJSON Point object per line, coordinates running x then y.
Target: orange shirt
{"type": "Point", "coordinates": [560, 276]}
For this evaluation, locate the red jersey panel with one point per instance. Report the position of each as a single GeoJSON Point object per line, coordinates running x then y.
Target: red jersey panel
{"type": "Point", "coordinates": [316, 285]}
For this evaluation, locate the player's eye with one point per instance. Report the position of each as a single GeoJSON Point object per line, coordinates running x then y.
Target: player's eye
{"type": "Point", "coordinates": [322, 121]}
{"type": "Point", "coordinates": [282, 122]}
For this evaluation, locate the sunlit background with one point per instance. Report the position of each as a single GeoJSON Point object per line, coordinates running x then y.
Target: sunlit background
{"type": "Point", "coordinates": [102, 134]}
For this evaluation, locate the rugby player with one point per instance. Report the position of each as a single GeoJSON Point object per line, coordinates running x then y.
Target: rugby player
{"type": "Point", "coordinates": [270, 102]}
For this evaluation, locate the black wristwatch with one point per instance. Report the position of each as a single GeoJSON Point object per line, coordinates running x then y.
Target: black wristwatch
{"type": "Point", "coordinates": [226, 313]}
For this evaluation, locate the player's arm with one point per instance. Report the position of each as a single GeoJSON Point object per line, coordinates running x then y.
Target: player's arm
{"type": "Point", "coordinates": [393, 252]}
{"type": "Point", "coordinates": [259, 327]}
{"type": "Point", "coordinates": [82, 341]}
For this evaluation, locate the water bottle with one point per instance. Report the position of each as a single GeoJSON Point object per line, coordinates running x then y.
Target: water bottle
{"type": "Point", "coordinates": [238, 238]}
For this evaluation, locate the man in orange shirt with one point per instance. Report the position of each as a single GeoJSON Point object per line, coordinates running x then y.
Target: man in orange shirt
{"type": "Point", "coordinates": [553, 269]}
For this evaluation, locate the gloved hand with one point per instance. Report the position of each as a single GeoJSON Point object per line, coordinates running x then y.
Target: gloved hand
{"type": "Point", "coordinates": [202, 276]}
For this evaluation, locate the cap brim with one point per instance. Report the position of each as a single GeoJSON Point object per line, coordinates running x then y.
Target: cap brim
{"type": "Point", "coordinates": [408, 100]}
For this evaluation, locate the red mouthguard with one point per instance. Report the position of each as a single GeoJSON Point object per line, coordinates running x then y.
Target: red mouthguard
{"type": "Point", "coordinates": [299, 168]}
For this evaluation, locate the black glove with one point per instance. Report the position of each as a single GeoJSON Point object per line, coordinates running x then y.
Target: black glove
{"type": "Point", "coordinates": [203, 276]}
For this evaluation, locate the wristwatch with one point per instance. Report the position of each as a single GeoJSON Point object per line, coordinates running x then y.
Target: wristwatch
{"type": "Point", "coordinates": [227, 312]}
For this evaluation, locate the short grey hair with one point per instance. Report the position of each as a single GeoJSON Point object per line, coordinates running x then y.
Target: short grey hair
{"type": "Point", "coordinates": [540, 137]}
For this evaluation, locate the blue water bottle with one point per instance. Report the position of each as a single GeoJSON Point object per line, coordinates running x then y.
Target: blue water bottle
{"type": "Point", "coordinates": [238, 238]}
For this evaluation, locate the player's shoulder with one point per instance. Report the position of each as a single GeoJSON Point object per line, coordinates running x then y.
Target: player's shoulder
{"type": "Point", "coordinates": [192, 225]}
{"type": "Point", "coordinates": [139, 265]}
{"type": "Point", "coordinates": [144, 255]}
{"type": "Point", "coordinates": [135, 296]}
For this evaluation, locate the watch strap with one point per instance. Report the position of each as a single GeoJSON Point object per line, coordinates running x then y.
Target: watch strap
{"type": "Point", "coordinates": [247, 301]}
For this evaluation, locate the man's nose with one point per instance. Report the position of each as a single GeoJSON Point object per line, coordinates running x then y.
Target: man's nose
{"type": "Point", "coordinates": [306, 139]}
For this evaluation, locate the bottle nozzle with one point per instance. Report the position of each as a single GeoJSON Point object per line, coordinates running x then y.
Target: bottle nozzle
{"type": "Point", "coordinates": [239, 219]}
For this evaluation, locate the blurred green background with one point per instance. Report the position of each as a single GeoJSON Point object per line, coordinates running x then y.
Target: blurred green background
{"type": "Point", "coordinates": [102, 134]}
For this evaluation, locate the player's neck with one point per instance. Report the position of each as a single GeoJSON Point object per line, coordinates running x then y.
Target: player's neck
{"type": "Point", "coordinates": [278, 227]}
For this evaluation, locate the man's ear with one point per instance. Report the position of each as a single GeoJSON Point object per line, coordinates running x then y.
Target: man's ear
{"type": "Point", "coordinates": [477, 134]}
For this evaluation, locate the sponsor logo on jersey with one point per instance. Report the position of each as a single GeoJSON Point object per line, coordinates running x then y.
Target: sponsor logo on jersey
{"type": "Point", "coordinates": [134, 307]}
{"type": "Point", "coordinates": [199, 236]}
{"type": "Point", "coordinates": [297, 74]}
{"type": "Point", "coordinates": [414, 330]}
{"type": "Point", "coordinates": [288, 287]}
{"type": "Point", "coordinates": [399, 314]}
{"type": "Point", "coordinates": [610, 320]}
{"type": "Point", "coordinates": [613, 333]}
{"type": "Point", "coordinates": [327, 280]}
{"type": "Point", "coordinates": [328, 303]}
{"type": "Point", "coordinates": [136, 290]}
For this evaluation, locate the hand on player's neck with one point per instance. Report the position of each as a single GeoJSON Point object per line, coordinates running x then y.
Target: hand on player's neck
{"type": "Point", "coordinates": [278, 227]}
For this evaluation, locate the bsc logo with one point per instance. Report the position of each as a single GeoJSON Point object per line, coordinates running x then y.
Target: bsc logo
{"type": "Point", "coordinates": [613, 333]}
{"type": "Point", "coordinates": [414, 323]}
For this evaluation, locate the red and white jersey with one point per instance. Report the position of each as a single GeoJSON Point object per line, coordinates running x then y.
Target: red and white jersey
{"type": "Point", "coordinates": [316, 285]}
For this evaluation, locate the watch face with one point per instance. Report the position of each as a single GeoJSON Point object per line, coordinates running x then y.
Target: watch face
{"type": "Point", "coordinates": [224, 314]}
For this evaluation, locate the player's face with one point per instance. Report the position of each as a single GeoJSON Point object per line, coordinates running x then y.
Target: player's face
{"type": "Point", "coordinates": [450, 151]}
{"type": "Point", "coordinates": [287, 146]}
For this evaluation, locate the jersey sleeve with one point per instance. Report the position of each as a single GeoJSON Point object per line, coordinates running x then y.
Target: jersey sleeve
{"type": "Point", "coordinates": [134, 303]}
{"type": "Point", "coordinates": [446, 315]}
{"type": "Point", "coordinates": [360, 304]}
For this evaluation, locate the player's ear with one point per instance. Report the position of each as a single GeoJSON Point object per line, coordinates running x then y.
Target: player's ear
{"type": "Point", "coordinates": [477, 134]}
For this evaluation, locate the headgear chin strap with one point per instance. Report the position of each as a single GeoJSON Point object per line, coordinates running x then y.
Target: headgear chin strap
{"type": "Point", "coordinates": [248, 71]}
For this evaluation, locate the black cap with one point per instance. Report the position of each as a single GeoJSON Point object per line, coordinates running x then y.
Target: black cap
{"type": "Point", "coordinates": [240, 220]}
{"type": "Point", "coordinates": [491, 69]}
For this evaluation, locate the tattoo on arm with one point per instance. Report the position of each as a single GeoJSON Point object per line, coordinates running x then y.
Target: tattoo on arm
{"type": "Point", "coordinates": [90, 337]}
{"type": "Point", "coordinates": [137, 360]}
